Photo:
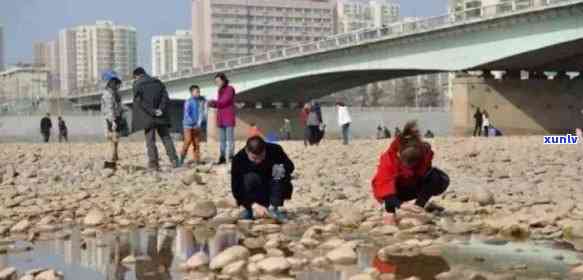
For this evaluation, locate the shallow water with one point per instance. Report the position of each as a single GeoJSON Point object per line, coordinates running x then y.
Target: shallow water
{"type": "Point", "coordinates": [158, 254]}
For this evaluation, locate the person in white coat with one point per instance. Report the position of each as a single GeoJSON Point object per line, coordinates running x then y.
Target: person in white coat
{"type": "Point", "coordinates": [344, 121]}
{"type": "Point", "coordinates": [485, 122]}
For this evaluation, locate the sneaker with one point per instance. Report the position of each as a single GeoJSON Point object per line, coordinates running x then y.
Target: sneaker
{"type": "Point", "coordinates": [247, 214]}
{"type": "Point", "coordinates": [221, 161]}
{"type": "Point", "coordinates": [277, 215]}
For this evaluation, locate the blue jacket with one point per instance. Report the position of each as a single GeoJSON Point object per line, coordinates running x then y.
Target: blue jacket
{"type": "Point", "coordinates": [195, 110]}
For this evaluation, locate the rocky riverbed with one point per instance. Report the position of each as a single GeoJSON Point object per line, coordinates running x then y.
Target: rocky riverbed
{"type": "Point", "coordinates": [501, 189]}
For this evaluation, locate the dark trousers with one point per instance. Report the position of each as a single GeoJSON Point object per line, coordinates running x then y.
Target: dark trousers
{"type": "Point", "coordinates": [345, 133]}
{"type": "Point", "coordinates": [46, 136]}
{"type": "Point", "coordinates": [164, 133]}
{"type": "Point", "coordinates": [434, 183]}
{"type": "Point", "coordinates": [478, 129]}
{"type": "Point", "coordinates": [314, 134]}
{"type": "Point", "coordinates": [63, 136]}
{"type": "Point", "coordinates": [263, 191]}
{"type": "Point", "coordinates": [306, 135]}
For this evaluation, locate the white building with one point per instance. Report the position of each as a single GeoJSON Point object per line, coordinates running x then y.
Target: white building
{"type": "Point", "coordinates": [1, 47]}
{"type": "Point", "coordinates": [87, 51]}
{"type": "Point", "coordinates": [353, 15]}
{"type": "Point", "coordinates": [172, 53]}
{"type": "Point", "coordinates": [24, 82]}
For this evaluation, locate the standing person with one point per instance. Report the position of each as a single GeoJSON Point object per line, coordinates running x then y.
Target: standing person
{"type": "Point", "coordinates": [485, 122]}
{"type": "Point", "coordinates": [478, 122]}
{"type": "Point", "coordinates": [63, 131]}
{"type": "Point", "coordinates": [313, 122]}
{"type": "Point", "coordinates": [195, 109]}
{"type": "Point", "coordinates": [286, 130]}
{"type": "Point", "coordinates": [387, 132]}
{"type": "Point", "coordinates": [151, 114]}
{"type": "Point", "coordinates": [304, 118]}
{"type": "Point", "coordinates": [405, 173]}
{"type": "Point", "coordinates": [112, 110]}
{"type": "Point", "coordinates": [344, 121]}
{"type": "Point", "coordinates": [225, 105]}
{"type": "Point", "coordinates": [45, 127]}
{"type": "Point", "coordinates": [261, 179]}
{"type": "Point", "coordinates": [380, 133]}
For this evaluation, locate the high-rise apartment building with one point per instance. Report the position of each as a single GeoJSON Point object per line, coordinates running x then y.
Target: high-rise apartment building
{"type": "Point", "coordinates": [464, 9]}
{"type": "Point", "coordinates": [46, 54]}
{"type": "Point", "coordinates": [87, 51]}
{"type": "Point", "coordinates": [353, 15]}
{"type": "Point", "coordinates": [1, 48]}
{"type": "Point", "coordinates": [225, 29]}
{"type": "Point", "coordinates": [172, 53]}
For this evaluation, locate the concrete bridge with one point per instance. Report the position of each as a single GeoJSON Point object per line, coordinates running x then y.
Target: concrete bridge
{"type": "Point", "coordinates": [533, 35]}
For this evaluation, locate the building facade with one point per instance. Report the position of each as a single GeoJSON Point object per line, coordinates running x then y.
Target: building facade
{"type": "Point", "coordinates": [172, 53]}
{"type": "Point", "coordinates": [24, 82]}
{"type": "Point", "coordinates": [354, 15]}
{"type": "Point", "coordinates": [1, 48]}
{"type": "Point", "coordinates": [87, 51]}
{"type": "Point", "coordinates": [46, 54]}
{"type": "Point", "coordinates": [226, 29]}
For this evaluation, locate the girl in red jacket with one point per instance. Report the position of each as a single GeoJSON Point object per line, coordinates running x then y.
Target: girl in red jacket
{"type": "Point", "coordinates": [405, 174]}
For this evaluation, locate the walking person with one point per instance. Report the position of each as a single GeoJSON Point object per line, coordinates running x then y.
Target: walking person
{"type": "Point", "coordinates": [344, 121]}
{"type": "Point", "coordinates": [225, 105]}
{"type": "Point", "coordinates": [405, 173]}
{"type": "Point", "coordinates": [286, 130]}
{"type": "Point", "coordinates": [112, 110]}
{"type": "Point", "coordinates": [195, 110]}
{"type": "Point", "coordinates": [63, 131]}
{"type": "Point", "coordinates": [313, 122]}
{"type": "Point", "coordinates": [304, 119]}
{"type": "Point", "coordinates": [45, 127]}
{"type": "Point", "coordinates": [151, 114]}
{"type": "Point", "coordinates": [478, 122]}
{"type": "Point", "coordinates": [261, 179]}
{"type": "Point", "coordinates": [485, 123]}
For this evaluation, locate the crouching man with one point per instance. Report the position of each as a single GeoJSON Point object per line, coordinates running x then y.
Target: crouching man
{"type": "Point", "coordinates": [261, 179]}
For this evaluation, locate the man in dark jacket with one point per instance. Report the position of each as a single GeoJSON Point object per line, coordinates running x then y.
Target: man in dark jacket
{"type": "Point", "coordinates": [478, 122]}
{"type": "Point", "coordinates": [63, 131]}
{"type": "Point", "coordinates": [261, 178]}
{"type": "Point", "coordinates": [45, 127]}
{"type": "Point", "coordinates": [150, 113]}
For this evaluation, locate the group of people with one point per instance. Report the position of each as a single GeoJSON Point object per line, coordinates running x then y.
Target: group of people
{"type": "Point", "coordinates": [151, 114]}
{"type": "Point", "coordinates": [315, 128]}
{"type": "Point", "coordinates": [46, 126]}
{"type": "Point", "coordinates": [483, 124]}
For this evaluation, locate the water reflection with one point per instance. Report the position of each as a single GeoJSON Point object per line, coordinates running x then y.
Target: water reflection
{"type": "Point", "coordinates": [144, 254]}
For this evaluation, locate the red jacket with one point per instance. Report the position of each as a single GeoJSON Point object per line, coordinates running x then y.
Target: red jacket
{"type": "Point", "coordinates": [304, 116]}
{"type": "Point", "coordinates": [391, 172]}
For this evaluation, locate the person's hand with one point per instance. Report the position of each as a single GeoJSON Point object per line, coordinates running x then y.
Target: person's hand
{"type": "Point", "coordinates": [158, 113]}
{"type": "Point", "coordinates": [390, 219]}
{"type": "Point", "coordinates": [259, 210]}
{"type": "Point", "coordinates": [278, 172]}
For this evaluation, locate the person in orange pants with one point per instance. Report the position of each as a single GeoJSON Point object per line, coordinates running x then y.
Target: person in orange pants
{"type": "Point", "coordinates": [195, 109]}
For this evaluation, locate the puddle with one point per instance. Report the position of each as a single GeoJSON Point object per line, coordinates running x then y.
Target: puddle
{"type": "Point", "coordinates": [158, 254]}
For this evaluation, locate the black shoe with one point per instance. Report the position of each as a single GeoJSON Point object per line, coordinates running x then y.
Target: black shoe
{"type": "Point", "coordinates": [221, 161]}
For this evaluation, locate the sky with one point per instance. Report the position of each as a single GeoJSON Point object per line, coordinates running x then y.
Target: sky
{"type": "Point", "coordinates": [29, 21]}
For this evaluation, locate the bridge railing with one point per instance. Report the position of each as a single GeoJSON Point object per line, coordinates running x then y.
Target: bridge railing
{"type": "Point", "coordinates": [399, 29]}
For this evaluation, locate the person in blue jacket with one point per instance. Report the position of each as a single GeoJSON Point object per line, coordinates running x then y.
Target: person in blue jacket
{"type": "Point", "coordinates": [195, 110]}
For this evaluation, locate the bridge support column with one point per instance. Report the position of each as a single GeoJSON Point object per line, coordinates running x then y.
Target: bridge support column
{"type": "Point", "coordinates": [518, 106]}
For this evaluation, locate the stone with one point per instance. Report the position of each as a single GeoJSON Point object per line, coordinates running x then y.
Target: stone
{"type": "Point", "coordinates": [362, 276]}
{"type": "Point", "coordinates": [8, 273]}
{"type": "Point", "coordinates": [197, 261]}
{"type": "Point", "coordinates": [235, 268]}
{"type": "Point", "coordinates": [228, 256]}
{"type": "Point", "coordinates": [577, 270]}
{"type": "Point", "coordinates": [49, 275]}
{"type": "Point", "coordinates": [191, 177]}
{"type": "Point", "coordinates": [274, 265]}
{"type": "Point", "coordinates": [384, 230]}
{"type": "Point", "coordinates": [342, 255]}
{"type": "Point", "coordinates": [21, 226]}
{"type": "Point", "coordinates": [574, 229]}
{"type": "Point", "coordinates": [483, 197]}
{"type": "Point", "coordinates": [348, 215]}
{"type": "Point", "coordinates": [94, 218]}
{"type": "Point", "coordinates": [27, 277]}
{"type": "Point", "coordinates": [204, 209]}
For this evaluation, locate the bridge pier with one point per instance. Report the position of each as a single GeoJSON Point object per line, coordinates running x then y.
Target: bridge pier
{"type": "Point", "coordinates": [518, 106]}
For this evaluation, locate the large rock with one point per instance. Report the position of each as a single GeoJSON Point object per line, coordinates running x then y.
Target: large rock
{"type": "Point", "coordinates": [197, 261]}
{"type": "Point", "coordinates": [274, 265]}
{"type": "Point", "coordinates": [191, 177]}
{"type": "Point", "coordinates": [229, 256]}
{"type": "Point", "coordinates": [21, 226]}
{"type": "Point", "coordinates": [8, 273]}
{"type": "Point", "coordinates": [49, 275]}
{"type": "Point", "coordinates": [204, 209]}
{"type": "Point", "coordinates": [574, 229]}
{"type": "Point", "coordinates": [94, 218]}
{"type": "Point", "coordinates": [348, 215]}
{"type": "Point", "coordinates": [343, 255]}
{"type": "Point", "coordinates": [235, 268]}
{"type": "Point", "coordinates": [483, 197]}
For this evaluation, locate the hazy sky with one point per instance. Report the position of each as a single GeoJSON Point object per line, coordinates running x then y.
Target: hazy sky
{"type": "Point", "coordinates": [27, 21]}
